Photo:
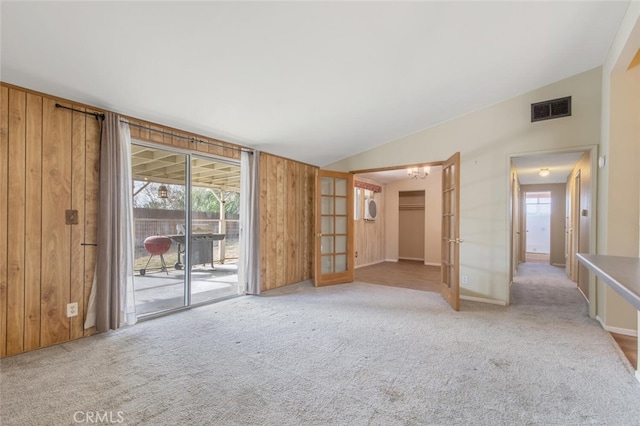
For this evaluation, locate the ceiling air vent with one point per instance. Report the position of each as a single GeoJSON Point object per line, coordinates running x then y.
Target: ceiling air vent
{"type": "Point", "coordinates": [555, 108]}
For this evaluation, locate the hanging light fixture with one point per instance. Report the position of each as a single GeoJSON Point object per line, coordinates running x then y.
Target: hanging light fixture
{"type": "Point", "coordinates": [418, 172]}
{"type": "Point", "coordinates": [163, 192]}
{"type": "Point", "coordinates": [544, 172]}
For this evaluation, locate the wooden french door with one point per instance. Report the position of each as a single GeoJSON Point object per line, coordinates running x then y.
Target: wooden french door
{"type": "Point", "coordinates": [334, 259]}
{"type": "Point", "coordinates": [450, 271]}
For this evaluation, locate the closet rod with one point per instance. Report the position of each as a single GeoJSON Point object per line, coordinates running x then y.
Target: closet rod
{"type": "Point", "coordinates": [95, 114]}
{"type": "Point", "coordinates": [192, 139]}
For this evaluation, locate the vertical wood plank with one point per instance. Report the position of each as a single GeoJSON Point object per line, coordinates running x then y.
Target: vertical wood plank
{"type": "Point", "coordinates": [143, 132]}
{"type": "Point", "coordinates": [311, 200]}
{"type": "Point", "coordinates": [263, 219]}
{"type": "Point", "coordinates": [4, 205]}
{"type": "Point", "coordinates": [77, 253]}
{"type": "Point", "coordinates": [134, 130]}
{"type": "Point", "coordinates": [297, 218]}
{"type": "Point", "coordinates": [272, 231]}
{"type": "Point", "coordinates": [179, 141]}
{"type": "Point", "coordinates": [280, 222]}
{"type": "Point", "coordinates": [303, 217]}
{"type": "Point", "coordinates": [156, 137]}
{"type": "Point", "coordinates": [33, 222]}
{"type": "Point", "coordinates": [291, 255]}
{"type": "Point", "coordinates": [16, 222]}
{"type": "Point", "coordinates": [56, 235]}
{"type": "Point", "coordinates": [215, 149]}
{"type": "Point", "coordinates": [91, 194]}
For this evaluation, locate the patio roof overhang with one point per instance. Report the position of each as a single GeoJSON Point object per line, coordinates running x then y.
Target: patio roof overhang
{"type": "Point", "coordinates": [157, 165]}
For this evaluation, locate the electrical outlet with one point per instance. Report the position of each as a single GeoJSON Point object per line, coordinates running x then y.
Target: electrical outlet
{"type": "Point", "coordinates": [465, 279]}
{"type": "Point", "coordinates": [72, 309]}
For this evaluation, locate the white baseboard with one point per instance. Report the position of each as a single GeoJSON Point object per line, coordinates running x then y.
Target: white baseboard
{"type": "Point", "coordinates": [559, 265]}
{"type": "Point", "coordinates": [432, 264]}
{"type": "Point", "coordinates": [638, 375]}
{"type": "Point", "coordinates": [391, 260]}
{"type": "Point", "coordinates": [483, 300]}
{"type": "Point", "coordinates": [617, 330]}
{"type": "Point", "coordinates": [411, 258]}
{"type": "Point", "coordinates": [369, 264]}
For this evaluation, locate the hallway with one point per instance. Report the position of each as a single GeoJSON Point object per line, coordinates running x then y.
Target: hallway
{"type": "Point", "coordinates": [539, 284]}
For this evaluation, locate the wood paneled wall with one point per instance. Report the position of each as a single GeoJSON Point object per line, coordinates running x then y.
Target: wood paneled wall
{"type": "Point", "coordinates": [286, 221]}
{"type": "Point", "coordinates": [176, 139]}
{"type": "Point", "coordinates": [49, 163]}
{"type": "Point", "coordinates": [286, 205]}
{"type": "Point", "coordinates": [49, 159]}
{"type": "Point", "coordinates": [369, 235]}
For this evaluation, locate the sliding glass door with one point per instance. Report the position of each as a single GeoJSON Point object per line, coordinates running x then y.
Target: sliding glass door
{"type": "Point", "coordinates": [186, 229]}
{"type": "Point", "coordinates": [215, 205]}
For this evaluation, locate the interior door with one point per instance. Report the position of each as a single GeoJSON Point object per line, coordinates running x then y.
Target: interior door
{"type": "Point", "coordinates": [334, 259]}
{"type": "Point", "coordinates": [450, 272]}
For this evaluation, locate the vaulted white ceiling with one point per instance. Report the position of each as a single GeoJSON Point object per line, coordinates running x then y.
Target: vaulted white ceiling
{"type": "Point", "coordinates": [311, 81]}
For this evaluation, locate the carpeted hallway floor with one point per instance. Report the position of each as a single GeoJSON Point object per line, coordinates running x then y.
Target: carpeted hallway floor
{"type": "Point", "coordinates": [355, 354]}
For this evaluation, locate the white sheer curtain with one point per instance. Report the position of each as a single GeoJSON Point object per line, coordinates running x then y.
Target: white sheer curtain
{"type": "Point", "coordinates": [112, 303]}
{"type": "Point", "coordinates": [249, 262]}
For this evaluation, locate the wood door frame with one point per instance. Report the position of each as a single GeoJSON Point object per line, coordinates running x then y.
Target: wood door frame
{"type": "Point", "coordinates": [450, 279]}
{"type": "Point", "coordinates": [425, 164]}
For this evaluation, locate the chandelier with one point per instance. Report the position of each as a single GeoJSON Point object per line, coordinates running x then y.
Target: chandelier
{"type": "Point", "coordinates": [418, 172]}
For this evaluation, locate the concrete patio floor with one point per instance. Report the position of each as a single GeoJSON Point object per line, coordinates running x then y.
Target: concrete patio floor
{"type": "Point", "coordinates": [158, 291]}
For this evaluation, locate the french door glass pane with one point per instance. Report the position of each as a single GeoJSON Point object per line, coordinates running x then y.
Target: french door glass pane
{"type": "Point", "coordinates": [327, 245]}
{"type": "Point", "coordinates": [327, 225]}
{"type": "Point", "coordinates": [327, 264]}
{"type": "Point", "coordinates": [341, 263]}
{"type": "Point", "coordinates": [327, 186]}
{"type": "Point", "coordinates": [327, 205]}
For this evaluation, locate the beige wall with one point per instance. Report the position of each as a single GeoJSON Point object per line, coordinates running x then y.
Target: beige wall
{"type": "Point", "coordinates": [484, 139]}
{"type": "Point", "coordinates": [432, 215]}
{"type": "Point", "coordinates": [558, 209]}
{"type": "Point", "coordinates": [411, 225]}
{"type": "Point", "coordinates": [619, 180]}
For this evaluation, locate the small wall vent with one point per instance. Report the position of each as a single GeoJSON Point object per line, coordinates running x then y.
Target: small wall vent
{"type": "Point", "coordinates": [554, 108]}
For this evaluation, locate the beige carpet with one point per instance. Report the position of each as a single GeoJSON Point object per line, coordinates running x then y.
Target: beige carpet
{"type": "Point", "coordinates": [355, 354]}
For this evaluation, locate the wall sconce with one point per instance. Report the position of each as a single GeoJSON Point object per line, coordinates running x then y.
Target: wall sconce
{"type": "Point", "coordinates": [163, 192]}
{"type": "Point", "coordinates": [418, 172]}
{"type": "Point", "coordinates": [544, 172]}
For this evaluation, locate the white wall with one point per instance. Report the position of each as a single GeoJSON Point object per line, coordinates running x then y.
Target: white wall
{"type": "Point", "coordinates": [432, 186]}
{"type": "Point", "coordinates": [484, 139]}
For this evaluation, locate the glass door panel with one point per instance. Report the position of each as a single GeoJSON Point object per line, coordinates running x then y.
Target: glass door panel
{"type": "Point", "coordinates": [215, 209]}
{"type": "Point", "coordinates": [159, 189]}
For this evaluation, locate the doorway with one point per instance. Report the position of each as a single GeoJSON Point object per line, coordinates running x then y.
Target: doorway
{"type": "Point", "coordinates": [411, 225]}
{"type": "Point", "coordinates": [186, 229]}
{"type": "Point", "coordinates": [569, 175]}
{"type": "Point", "coordinates": [538, 226]}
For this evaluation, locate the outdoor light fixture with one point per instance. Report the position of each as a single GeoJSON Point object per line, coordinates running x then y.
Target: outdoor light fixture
{"type": "Point", "coordinates": [544, 172]}
{"type": "Point", "coordinates": [163, 192]}
{"type": "Point", "coordinates": [418, 172]}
